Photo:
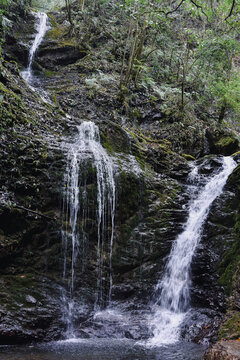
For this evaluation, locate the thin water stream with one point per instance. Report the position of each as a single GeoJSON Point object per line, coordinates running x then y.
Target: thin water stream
{"type": "Point", "coordinates": [41, 31]}
{"type": "Point", "coordinates": [33, 82]}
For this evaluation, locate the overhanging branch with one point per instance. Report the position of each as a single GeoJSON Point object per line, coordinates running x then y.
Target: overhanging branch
{"type": "Point", "coordinates": [231, 11]}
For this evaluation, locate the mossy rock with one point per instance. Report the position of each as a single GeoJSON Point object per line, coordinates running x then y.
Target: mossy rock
{"type": "Point", "coordinates": [132, 194]}
{"type": "Point", "coordinates": [231, 261]}
{"type": "Point", "coordinates": [234, 178]}
{"type": "Point", "coordinates": [189, 157]}
{"type": "Point", "coordinates": [226, 145]}
{"type": "Point", "coordinates": [12, 110]}
{"type": "Point", "coordinates": [114, 138]}
{"type": "Point", "coordinates": [230, 329]}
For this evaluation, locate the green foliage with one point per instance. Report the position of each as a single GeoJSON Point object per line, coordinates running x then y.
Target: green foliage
{"type": "Point", "coordinates": [175, 54]}
{"type": "Point", "coordinates": [48, 5]}
{"type": "Point", "coordinates": [228, 91]}
{"type": "Point", "coordinates": [178, 52]}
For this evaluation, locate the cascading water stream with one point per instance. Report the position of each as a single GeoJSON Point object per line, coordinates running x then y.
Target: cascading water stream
{"type": "Point", "coordinates": [42, 28]}
{"type": "Point", "coordinates": [173, 301]}
{"type": "Point", "coordinates": [87, 151]}
{"type": "Point", "coordinates": [33, 82]}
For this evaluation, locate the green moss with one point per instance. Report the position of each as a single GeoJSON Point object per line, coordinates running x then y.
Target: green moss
{"type": "Point", "coordinates": [136, 114]}
{"type": "Point", "coordinates": [225, 141]}
{"type": "Point", "coordinates": [128, 226]}
{"type": "Point", "coordinates": [231, 261]}
{"type": "Point", "coordinates": [236, 153]}
{"type": "Point", "coordinates": [12, 110]}
{"type": "Point", "coordinates": [57, 32]}
{"type": "Point", "coordinates": [107, 144]}
{"type": "Point", "coordinates": [60, 35]}
{"type": "Point", "coordinates": [132, 195]}
{"type": "Point", "coordinates": [55, 99]}
{"type": "Point", "coordinates": [141, 162]}
{"type": "Point", "coordinates": [231, 327]}
{"type": "Point", "coordinates": [189, 157]}
{"type": "Point", "coordinates": [114, 138]}
{"type": "Point", "coordinates": [49, 73]}
{"type": "Point", "coordinates": [227, 144]}
{"type": "Point", "coordinates": [53, 20]}
{"type": "Point", "coordinates": [6, 91]}
{"type": "Point", "coordinates": [234, 178]}
{"type": "Point", "coordinates": [65, 89]}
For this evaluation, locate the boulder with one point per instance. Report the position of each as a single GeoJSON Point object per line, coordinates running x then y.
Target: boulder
{"type": "Point", "coordinates": [224, 350]}
{"type": "Point", "coordinates": [223, 143]}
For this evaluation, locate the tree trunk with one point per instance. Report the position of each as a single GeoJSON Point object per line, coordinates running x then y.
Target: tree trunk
{"type": "Point", "coordinates": [183, 89]}
{"type": "Point", "coordinates": [222, 112]}
{"type": "Point", "coordinates": [69, 11]}
{"type": "Point", "coordinates": [143, 37]}
{"type": "Point", "coordinates": [82, 4]}
{"type": "Point", "coordinates": [224, 104]}
{"type": "Point", "coordinates": [132, 55]}
{"type": "Point", "coordinates": [124, 54]}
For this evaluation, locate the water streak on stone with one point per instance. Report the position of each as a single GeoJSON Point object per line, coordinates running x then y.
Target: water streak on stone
{"type": "Point", "coordinates": [174, 288]}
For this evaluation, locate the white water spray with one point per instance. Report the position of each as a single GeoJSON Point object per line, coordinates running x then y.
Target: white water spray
{"type": "Point", "coordinates": [87, 147]}
{"type": "Point", "coordinates": [173, 302]}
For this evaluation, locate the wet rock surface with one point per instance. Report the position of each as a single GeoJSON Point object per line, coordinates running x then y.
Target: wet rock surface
{"type": "Point", "coordinates": [51, 57]}
{"type": "Point", "coordinates": [30, 309]}
{"type": "Point", "coordinates": [15, 48]}
{"type": "Point", "coordinates": [224, 350]}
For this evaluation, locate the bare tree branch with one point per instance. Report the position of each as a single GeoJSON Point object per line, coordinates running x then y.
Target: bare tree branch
{"type": "Point", "coordinates": [34, 212]}
{"type": "Point", "coordinates": [231, 11]}
{"type": "Point", "coordinates": [172, 11]}
{"type": "Point", "coordinates": [158, 11]}
{"type": "Point", "coordinates": [199, 7]}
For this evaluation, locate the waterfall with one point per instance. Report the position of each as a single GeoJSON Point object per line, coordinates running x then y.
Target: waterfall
{"type": "Point", "coordinates": [85, 152]}
{"type": "Point", "coordinates": [173, 302]}
{"type": "Point", "coordinates": [41, 31]}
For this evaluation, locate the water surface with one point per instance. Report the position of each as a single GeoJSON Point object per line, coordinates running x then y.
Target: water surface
{"type": "Point", "coordinates": [96, 349]}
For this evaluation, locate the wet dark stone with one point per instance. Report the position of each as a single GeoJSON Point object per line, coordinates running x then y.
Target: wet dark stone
{"type": "Point", "coordinates": [50, 57]}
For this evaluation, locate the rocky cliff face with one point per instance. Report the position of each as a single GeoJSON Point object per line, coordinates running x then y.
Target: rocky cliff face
{"type": "Point", "coordinates": [150, 155]}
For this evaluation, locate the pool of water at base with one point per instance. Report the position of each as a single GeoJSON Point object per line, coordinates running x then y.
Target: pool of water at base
{"type": "Point", "coordinates": [98, 349]}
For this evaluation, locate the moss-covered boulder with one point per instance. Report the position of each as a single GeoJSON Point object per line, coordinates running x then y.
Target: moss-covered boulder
{"type": "Point", "coordinates": [223, 143]}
